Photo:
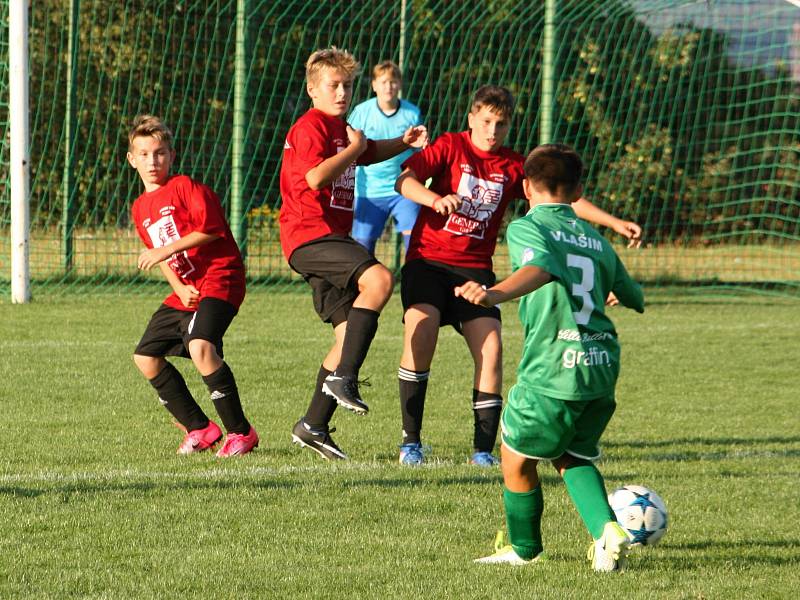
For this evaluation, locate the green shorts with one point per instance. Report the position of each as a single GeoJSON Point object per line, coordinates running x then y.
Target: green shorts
{"type": "Point", "coordinates": [542, 427]}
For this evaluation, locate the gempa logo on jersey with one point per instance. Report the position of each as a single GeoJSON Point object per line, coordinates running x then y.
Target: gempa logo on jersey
{"type": "Point", "coordinates": [163, 232]}
{"type": "Point", "coordinates": [343, 189]}
{"type": "Point", "coordinates": [480, 199]}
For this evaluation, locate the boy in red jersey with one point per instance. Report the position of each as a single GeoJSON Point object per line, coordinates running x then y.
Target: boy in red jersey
{"type": "Point", "coordinates": [474, 177]}
{"type": "Point", "coordinates": [350, 287]}
{"type": "Point", "coordinates": [183, 226]}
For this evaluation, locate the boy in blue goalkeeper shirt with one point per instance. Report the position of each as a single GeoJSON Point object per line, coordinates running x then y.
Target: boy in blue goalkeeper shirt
{"type": "Point", "coordinates": [383, 117]}
{"type": "Point", "coordinates": [564, 271]}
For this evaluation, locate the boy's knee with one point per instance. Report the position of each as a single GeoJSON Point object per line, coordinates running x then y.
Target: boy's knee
{"type": "Point", "coordinates": [386, 281]}
{"type": "Point", "coordinates": [202, 350]}
{"type": "Point", "coordinates": [378, 280]}
{"type": "Point", "coordinates": [567, 461]}
{"type": "Point", "coordinates": [150, 366]}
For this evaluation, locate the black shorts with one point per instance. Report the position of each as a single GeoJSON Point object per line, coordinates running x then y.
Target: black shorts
{"type": "Point", "coordinates": [170, 330]}
{"type": "Point", "coordinates": [430, 282]}
{"type": "Point", "coordinates": [331, 265]}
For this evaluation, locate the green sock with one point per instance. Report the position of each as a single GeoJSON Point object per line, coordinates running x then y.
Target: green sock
{"type": "Point", "coordinates": [524, 521]}
{"type": "Point", "coordinates": [588, 492]}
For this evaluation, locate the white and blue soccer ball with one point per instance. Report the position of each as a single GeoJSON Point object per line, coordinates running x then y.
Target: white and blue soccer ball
{"type": "Point", "coordinates": [641, 513]}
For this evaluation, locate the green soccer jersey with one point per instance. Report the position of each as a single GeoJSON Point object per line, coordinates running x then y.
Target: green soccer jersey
{"type": "Point", "coordinates": [571, 350]}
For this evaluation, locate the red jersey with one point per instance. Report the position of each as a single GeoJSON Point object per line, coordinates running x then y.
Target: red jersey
{"type": "Point", "coordinates": [308, 214]}
{"type": "Point", "coordinates": [485, 181]}
{"type": "Point", "coordinates": [178, 208]}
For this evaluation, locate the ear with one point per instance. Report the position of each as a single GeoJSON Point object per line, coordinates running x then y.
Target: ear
{"type": "Point", "coordinates": [527, 187]}
{"type": "Point", "coordinates": [375, 86]}
{"type": "Point", "coordinates": [471, 119]}
{"type": "Point", "coordinates": [131, 160]}
{"type": "Point", "coordinates": [310, 90]}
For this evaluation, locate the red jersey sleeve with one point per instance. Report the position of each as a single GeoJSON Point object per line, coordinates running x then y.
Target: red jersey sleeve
{"type": "Point", "coordinates": [137, 221]}
{"type": "Point", "coordinates": [431, 161]}
{"type": "Point", "coordinates": [310, 145]}
{"type": "Point", "coordinates": [205, 210]}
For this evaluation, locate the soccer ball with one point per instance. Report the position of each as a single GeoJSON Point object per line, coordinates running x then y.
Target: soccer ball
{"type": "Point", "coordinates": [641, 512]}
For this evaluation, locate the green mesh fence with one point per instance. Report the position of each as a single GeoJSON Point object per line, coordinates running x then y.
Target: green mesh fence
{"type": "Point", "coordinates": [686, 114]}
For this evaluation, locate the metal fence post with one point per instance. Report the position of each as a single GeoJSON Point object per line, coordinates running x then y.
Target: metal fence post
{"type": "Point", "coordinates": [548, 58]}
{"type": "Point", "coordinates": [68, 179]}
{"type": "Point", "coordinates": [237, 219]}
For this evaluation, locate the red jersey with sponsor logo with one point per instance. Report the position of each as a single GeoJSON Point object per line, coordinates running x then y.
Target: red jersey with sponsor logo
{"type": "Point", "coordinates": [486, 183]}
{"type": "Point", "coordinates": [308, 214]}
{"type": "Point", "coordinates": [178, 208]}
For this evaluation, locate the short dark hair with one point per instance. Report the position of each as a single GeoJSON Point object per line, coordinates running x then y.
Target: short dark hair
{"type": "Point", "coordinates": [557, 167]}
{"type": "Point", "coordinates": [497, 98]}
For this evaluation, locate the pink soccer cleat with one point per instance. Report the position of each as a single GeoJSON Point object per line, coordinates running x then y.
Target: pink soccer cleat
{"type": "Point", "coordinates": [237, 444]}
{"type": "Point", "coordinates": [198, 440]}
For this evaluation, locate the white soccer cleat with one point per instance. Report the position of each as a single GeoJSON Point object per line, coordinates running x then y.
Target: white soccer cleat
{"type": "Point", "coordinates": [610, 552]}
{"type": "Point", "coordinates": [505, 554]}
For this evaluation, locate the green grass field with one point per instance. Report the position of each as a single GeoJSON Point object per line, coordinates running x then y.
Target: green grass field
{"type": "Point", "coordinates": [96, 504]}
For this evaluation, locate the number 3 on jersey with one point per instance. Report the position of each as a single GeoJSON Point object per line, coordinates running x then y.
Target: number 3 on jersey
{"type": "Point", "coordinates": [581, 290]}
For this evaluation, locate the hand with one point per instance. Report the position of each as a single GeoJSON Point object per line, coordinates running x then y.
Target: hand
{"type": "Point", "coordinates": [475, 293]}
{"type": "Point", "coordinates": [630, 230]}
{"type": "Point", "coordinates": [356, 137]}
{"type": "Point", "coordinates": [416, 137]}
{"type": "Point", "coordinates": [151, 257]}
{"type": "Point", "coordinates": [447, 205]}
{"type": "Point", "coordinates": [189, 295]}
{"type": "Point", "coordinates": [612, 299]}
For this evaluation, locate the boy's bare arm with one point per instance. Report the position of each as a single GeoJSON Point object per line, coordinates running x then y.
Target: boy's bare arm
{"type": "Point", "coordinates": [409, 186]}
{"type": "Point", "coordinates": [152, 256]}
{"type": "Point", "coordinates": [413, 137]}
{"type": "Point", "coordinates": [188, 294]}
{"type": "Point", "coordinates": [520, 282]}
{"type": "Point", "coordinates": [628, 229]}
{"type": "Point", "coordinates": [329, 170]}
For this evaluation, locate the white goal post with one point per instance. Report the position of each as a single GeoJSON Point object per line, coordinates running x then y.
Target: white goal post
{"type": "Point", "coordinates": [19, 149]}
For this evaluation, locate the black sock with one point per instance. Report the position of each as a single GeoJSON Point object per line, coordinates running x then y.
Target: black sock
{"type": "Point", "coordinates": [225, 395]}
{"type": "Point", "coordinates": [322, 406]}
{"type": "Point", "coordinates": [177, 399]}
{"type": "Point", "coordinates": [362, 323]}
{"type": "Point", "coordinates": [486, 407]}
{"type": "Point", "coordinates": [413, 386]}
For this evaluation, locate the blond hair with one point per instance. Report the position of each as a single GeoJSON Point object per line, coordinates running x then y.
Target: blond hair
{"type": "Point", "coordinates": [384, 66]}
{"type": "Point", "coordinates": [149, 126]}
{"type": "Point", "coordinates": [331, 58]}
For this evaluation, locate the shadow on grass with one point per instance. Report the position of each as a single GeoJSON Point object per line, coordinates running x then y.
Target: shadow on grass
{"type": "Point", "coordinates": [724, 448]}
{"type": "Point", "coordinates": [742, 554]}
{"type": "Point", "coordinates": [705, 441]}
{"type": "Point", "coordinates": [66, 491]}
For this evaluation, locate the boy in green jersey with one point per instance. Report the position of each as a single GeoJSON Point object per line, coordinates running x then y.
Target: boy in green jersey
{"type": "Point", "coordinates": [564, 396]}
